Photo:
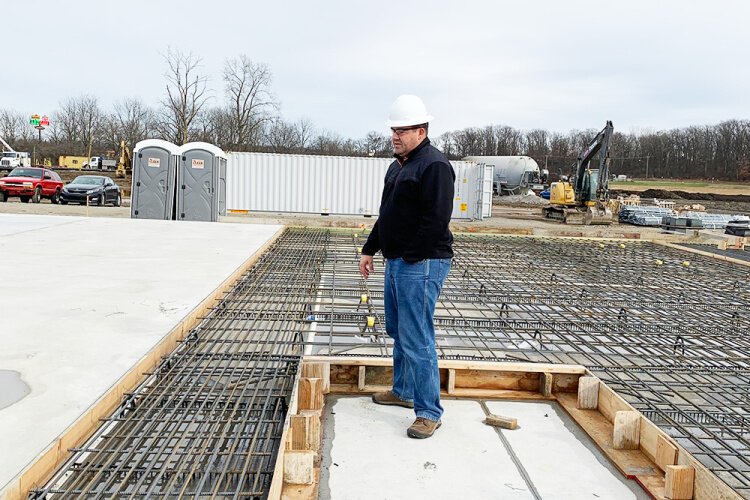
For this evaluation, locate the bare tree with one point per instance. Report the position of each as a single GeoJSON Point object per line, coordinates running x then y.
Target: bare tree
{"type": "Point", "coordinates": [133, 119]}
{"type": "Point", "coordinates": [186, 95]}
{"type": "Point", "coordinates": [248, 88]}
{"type": "Point", "coordinates": [13, 126]}
{"type": "Point", "coordinates": [78, 123]}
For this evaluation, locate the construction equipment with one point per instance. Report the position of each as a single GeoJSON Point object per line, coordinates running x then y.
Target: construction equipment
{"type": "Point", "coordinates": [583, 199]}
{"type": "Point", "coordinates": [125, 162]}
{"type": "Point", "coordinates": [12, 158]}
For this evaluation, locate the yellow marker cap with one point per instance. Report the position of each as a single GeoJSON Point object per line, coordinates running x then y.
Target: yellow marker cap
{"type": "Point", "coordinates": [363, 298]}
{"type": "Point", "coordinates": [371, 321]}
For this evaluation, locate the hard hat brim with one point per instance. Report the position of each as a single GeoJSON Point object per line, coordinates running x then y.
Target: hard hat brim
{"type": "Point", "coordinates": [410, 123]}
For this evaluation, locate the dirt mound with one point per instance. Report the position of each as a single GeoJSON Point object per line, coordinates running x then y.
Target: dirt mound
{"type": "Point", "coordinates": [665, 194]}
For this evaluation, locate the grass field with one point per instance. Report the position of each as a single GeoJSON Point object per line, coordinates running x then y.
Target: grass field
{"type": "Point", "coordinates": [687, 186]}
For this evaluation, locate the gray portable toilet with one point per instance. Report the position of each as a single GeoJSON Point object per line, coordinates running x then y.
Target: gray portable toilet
{"type": "Point", "coordinates": [201, 182]}
{"type": "Point", "coordinates": [154, 176]}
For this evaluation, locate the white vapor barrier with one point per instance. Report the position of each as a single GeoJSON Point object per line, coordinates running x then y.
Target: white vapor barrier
{"type": "Point", "coordinates": [335, 185]}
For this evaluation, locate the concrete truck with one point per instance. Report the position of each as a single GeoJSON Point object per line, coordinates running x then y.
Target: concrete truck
{"type": "Point", "coordinates": [512, 174]}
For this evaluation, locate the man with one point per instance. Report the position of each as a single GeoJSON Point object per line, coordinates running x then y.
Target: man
{"type": "Point", "coordinates": [412, 233]}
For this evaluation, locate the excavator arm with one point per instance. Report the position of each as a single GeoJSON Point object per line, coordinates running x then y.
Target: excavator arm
{"type": "Point", "coordinates": [600, 144]}
{"type": "Point", "coordinates": [7, 145]}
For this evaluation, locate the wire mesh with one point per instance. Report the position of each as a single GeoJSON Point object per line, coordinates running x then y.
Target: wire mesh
{"type": "Point", "coordinates": [208, 420]}
{"type": "Point", "coordinates": [666, 329]}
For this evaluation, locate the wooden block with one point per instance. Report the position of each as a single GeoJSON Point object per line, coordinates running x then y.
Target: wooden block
{"type": "Point", "coordinates": [301, 427]}
{"type": "Point", "coordinates": [451, 385]}
{"type": "Point", "coordinates": [361, 379]}
{"type": "Point", "coordinates": [310, 394]}
{"type": "Point", "coordinates": [298, 467]}
{"type": "Point", "coordinates": [314, 431]}
{"type": "Point", "coordinates": [501, 421]}
{"type": "Point", "coordinates": [588, 393]}
{"type": "Point", "coordinates": [679, 482]}
{"type": "Point", "coordinates": [318, 370]}
{"type": "Point", "coordinates": [546, 382]}
{"type": "Point", "coordinates": [666, 453]}
{"type": "Point", "coordinates": [627, 431]}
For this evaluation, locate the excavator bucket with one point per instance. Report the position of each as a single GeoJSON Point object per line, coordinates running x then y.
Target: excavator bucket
{"type": "Point", "coordinates": [600, 215]}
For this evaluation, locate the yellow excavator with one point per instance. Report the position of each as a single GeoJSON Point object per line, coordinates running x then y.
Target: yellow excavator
{"type": "Point", "coordinates": [583, 199]}
{"type": "Point", "coordinates": [125, 162]}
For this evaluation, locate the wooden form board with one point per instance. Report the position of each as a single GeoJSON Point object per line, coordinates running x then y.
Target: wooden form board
{"type": "Point", "coordinates": [43, 467]}
{"type": "Point", "coordinates": [654, 451]}
{"type": "Point", "coordinates": [705, 254]}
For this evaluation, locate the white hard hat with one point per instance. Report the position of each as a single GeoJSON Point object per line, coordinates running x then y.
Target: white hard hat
{"type": "Point", "coordinates": [408, 110]}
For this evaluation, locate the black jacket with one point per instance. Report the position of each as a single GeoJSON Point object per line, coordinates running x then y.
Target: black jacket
{"type": "Point", "coordinates": [416, 208]}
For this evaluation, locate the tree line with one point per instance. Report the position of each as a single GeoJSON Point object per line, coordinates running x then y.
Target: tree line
{"type": "Point", "coordinates": [246, 117]}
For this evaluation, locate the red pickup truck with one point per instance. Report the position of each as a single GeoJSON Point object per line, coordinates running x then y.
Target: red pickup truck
{"type": "Point", "coordinates": [31, 183]}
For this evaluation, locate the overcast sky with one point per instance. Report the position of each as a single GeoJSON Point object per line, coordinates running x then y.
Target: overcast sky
{"type": "Point", "coordinates": [554, 64]}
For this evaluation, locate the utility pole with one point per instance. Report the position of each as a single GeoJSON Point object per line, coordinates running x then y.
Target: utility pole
{"type": "Point", "coordinates": [647, 157]}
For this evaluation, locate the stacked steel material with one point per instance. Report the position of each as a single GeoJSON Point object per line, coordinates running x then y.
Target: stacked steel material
{"type": "Point", "coordinates": [710, 221]}
{"type": "Point", "coordinates": [644, 215]}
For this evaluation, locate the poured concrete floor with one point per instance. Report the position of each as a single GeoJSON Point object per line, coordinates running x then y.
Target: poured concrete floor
{"type": "Point", "coordinates": [367, 455]}
{"type": "Point", "coordinates": [83, 299]}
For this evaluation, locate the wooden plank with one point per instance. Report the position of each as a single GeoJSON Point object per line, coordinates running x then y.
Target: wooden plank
{"type": "Point", "coordinates": [298, 467]}
{"type": "Point", "coordinates": [302, 429]}
{"type": "Point", "coordinates": [666, 453]}
{"type": "Point", "coordinates": [705, 254]}
{"type": "Point", "coordinates": [314, 429]}
{"type": "Point", "coordinates": [379, 375]}
{"type": "Point", "coordinates": [361, 378]}
{"type": "Point", "coordinates": [631, 463]}
{"type": "Point", "coordinates": [343, 361]}
{"type": "Point", "coordinates": [451, 386]}
{"type": "Point", "coordinates": [610, 403]}
{"type": "Point", "coordinates": [565, 382]}
{"type": "Point", "coordinates": [546, 382]}
{"type": "Point", "coordinates": [458, 393]}
{"type": "Point", "coordinates": [679, 482]}
{"type": "Point", "coordinates": [497, 380]}
{"type": "Point", "coordinates": [627, 430]}
{"type": "Point", "coordinates": [501, 421]}
{"type": "Point", "coordinates": [588, 393]}
{"type": "Point", "coordinates": [42, 468]}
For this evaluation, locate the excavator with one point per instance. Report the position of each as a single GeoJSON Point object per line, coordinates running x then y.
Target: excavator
{"type": "Point", "coordinates": [125, 162]}
{"type": "Point", "coordinates": [583, 199]}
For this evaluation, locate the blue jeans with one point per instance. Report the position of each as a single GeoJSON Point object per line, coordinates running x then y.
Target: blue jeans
{"type": "Point", "coordinates": [411, 291]}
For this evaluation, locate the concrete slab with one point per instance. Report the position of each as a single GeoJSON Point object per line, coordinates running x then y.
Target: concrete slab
{"type": "Point", "coordinates": [367, 455]}
{"type": "Point", "coordinates": [83, 299]}
{"type": "Point", "coordinates": [559, 458]}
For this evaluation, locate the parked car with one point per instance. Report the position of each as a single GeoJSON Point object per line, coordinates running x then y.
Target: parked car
{"type": "Point", "coordinates": [31, 183]}
{"type": "Point", "coordinates": [92, 189]}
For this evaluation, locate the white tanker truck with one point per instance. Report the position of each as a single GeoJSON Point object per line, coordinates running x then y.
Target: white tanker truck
{"type": "Point", "coordinates": [513, 174]}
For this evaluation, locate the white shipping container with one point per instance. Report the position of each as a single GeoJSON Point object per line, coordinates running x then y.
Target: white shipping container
{"type": "Point", "coordinates": [336, 185]}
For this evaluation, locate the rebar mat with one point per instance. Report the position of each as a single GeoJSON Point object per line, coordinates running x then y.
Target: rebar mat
{"type": "Point", "coordinates": [666, 329]}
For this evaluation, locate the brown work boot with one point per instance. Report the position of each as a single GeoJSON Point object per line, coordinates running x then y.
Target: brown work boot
{"type": "Point", "coordinates": [388, 398]}
{"type": "Point", "coordinates": [423, 428]}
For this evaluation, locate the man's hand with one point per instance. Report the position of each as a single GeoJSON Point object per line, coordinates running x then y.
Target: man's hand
{"type": "Point", "coordinates": [366, 266]}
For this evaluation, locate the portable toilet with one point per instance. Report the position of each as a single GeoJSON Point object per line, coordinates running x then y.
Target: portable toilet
{"type": "Point", "coordinates": [201, 182]}
{"type": "Point", "coordinates": [154, 177]}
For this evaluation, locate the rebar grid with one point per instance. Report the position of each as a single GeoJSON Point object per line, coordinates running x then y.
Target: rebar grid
{"type": "Point", "coordinates": [208, 421]}
{"type": "Point", "coordinates": [666, 329]}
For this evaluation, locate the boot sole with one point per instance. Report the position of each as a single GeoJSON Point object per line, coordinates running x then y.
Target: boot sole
{"type": "Point", "coordinates": [419, 435]}
{"type": "Point", "coordinates": [388, 403]}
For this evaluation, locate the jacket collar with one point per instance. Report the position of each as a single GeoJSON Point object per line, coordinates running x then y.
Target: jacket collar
{"type": "Point", "coordinates": [414, 152]}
